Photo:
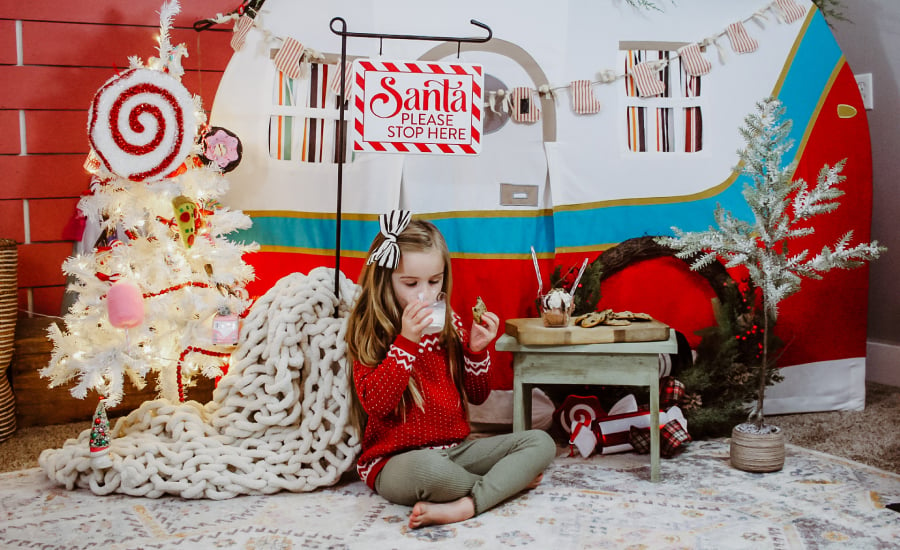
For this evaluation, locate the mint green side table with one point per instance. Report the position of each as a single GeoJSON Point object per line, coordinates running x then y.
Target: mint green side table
{"type": "Point", "coordinates": [618, 364]}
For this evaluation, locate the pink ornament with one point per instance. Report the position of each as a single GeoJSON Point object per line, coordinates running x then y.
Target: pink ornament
{"type": "Point", "coordinates": [125, 304]}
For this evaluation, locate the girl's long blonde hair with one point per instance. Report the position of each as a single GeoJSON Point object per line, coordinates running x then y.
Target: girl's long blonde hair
{"type": "Point", "coordinates": [375, 320]}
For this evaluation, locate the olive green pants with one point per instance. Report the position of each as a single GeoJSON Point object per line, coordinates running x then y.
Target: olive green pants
{"type": "Point", "coordinates": [489, 469]}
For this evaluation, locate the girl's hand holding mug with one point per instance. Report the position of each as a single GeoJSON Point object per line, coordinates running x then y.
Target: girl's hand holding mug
{"type": "Point", "coordinates": [416, 318]}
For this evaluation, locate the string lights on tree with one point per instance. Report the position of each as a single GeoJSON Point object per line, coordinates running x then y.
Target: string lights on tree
{"type": "Point", "coordinates": [162, 271]}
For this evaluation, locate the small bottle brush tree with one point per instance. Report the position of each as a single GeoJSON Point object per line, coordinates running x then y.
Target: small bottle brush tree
{"type": "Point", "coordinates": [781, 211]}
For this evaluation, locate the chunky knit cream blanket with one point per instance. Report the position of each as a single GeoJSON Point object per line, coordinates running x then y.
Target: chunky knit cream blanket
{"type": "Point", "coordinates": [278, 420]}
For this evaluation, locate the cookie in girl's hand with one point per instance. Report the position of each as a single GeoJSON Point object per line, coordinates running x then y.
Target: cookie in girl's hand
{"type": "Point", "coordinates": [478, 310]}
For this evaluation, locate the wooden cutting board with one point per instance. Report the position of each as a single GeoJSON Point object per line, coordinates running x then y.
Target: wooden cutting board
{"type": "Point", "coordinates": [531, 331]}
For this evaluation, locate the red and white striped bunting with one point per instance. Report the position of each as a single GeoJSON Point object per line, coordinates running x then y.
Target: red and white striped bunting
{"type": "Point", "coordinates": [646, 77]}
{"type": "Point", "coordinates": [790, 10]}
{"type": "Point", "coordinates": [741, 42]}
{"type": "Point", "coordinates": [348, 79]}
{"type": "Point", "coordinates": [524, 109]}
{"type": "Point", "coordinates": [583, 100]}
{"type": "Point", "coordinates": [693, 61]}
{"type": "Point", "coordinates": [241, 28]}
{"type": "Point", "coordinates": [287, 60]}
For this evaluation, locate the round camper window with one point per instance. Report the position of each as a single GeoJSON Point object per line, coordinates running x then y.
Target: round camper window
{"type": "Point", "coordinates": [493, 121]}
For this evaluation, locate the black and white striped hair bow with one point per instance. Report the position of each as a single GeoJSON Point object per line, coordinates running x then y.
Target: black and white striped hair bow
{"type": "Point", "coordinates": [388, 252]}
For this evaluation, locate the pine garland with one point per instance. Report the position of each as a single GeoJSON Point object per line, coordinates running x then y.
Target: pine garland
{"type": "Point", "coordinates": [588, 294]}
{"type": "Point", "coordinates": [721, 380]}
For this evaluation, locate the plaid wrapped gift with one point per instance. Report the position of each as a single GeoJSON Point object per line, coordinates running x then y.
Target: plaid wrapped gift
{"type": "Point", "coordinates": [671, 392]}
{"type": "Point", "coordinates": [639, 439]}
{"type": "Point", "coordinates": [672, 437]}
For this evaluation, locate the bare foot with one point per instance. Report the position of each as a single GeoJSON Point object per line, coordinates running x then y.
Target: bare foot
{"type": "Point", "coordinates": [440, 513]}
{"type": "Point", "coordinates": [535, 482]}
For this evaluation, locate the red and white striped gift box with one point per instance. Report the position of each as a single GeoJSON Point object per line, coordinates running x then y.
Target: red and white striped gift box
{"type": "Point", "coordinates": [241, 28]}
{"type": "Point", "coordinates": [693, 61]}
{"type": "Point", "coordinates": [790, 11]}
{"type": "Point", "coordinates": [336, 79]}
{"type": "Point", "coordinates": [741, 42]}
{"type": "Point", "coordinates": [524, 109]}
{"type": "Point", "coordinates": [287, 60]}
{"type": "Point", "coordinates": [583, 100]}
{"type": "Point", "coordinates": [646, 77]}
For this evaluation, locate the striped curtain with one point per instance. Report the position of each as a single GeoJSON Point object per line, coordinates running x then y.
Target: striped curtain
{"type": "Point", "coordinates": [654, 128]}
{"type": "Point", "coordinates": [305, 138]}
{"type": "Point", "coordinates": [649, 128]}
{"type": "Point", "coordinates": [693, 117]}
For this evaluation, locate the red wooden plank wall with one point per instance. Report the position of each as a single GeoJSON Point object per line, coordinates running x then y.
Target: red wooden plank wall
{"type": "Point", "coordinates": [53, 58]}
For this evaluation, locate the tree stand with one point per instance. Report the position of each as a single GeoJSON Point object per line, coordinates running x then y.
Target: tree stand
{"type": "Point", "coordinates": [757, 452]}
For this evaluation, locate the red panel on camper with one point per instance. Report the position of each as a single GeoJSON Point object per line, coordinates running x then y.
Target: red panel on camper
{"type": "Point", "coordinates": [812, 336]}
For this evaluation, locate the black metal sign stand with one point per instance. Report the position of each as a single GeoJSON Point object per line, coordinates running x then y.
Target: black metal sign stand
{"type": "Point", "coordinates": [342, 134]}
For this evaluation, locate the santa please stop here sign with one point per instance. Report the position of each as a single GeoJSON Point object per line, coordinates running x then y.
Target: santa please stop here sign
{"type": "Point", "coordinates": [417, 107]}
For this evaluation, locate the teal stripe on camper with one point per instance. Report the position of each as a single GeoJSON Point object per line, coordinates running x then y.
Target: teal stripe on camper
{"type": "Point", "coordinates": [497, 235]}
{"type": "Point", "coordinates": [310, 233]}
{"type": "Point", "coordinates": [815, 60]}
{"type": "Point", "coordinates": [487, 235]}
{"type": "Point", "coordinates": [597, 226]}
{"type": "Point", "coordinates": [804, 85]}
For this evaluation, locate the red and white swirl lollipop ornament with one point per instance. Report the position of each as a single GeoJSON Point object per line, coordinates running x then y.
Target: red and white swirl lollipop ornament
{"type": "Point", "coordinates": [142, 124]}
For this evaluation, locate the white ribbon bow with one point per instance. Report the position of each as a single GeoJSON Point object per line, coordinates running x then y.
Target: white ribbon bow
{"type": "Point", "coordinates": [388, 252]}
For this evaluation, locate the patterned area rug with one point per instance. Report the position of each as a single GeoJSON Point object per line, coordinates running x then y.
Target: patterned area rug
{"type": "Point", "coordinates": [604, 502]}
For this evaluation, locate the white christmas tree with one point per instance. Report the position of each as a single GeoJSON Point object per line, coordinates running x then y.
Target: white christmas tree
{"type": "Point", "coordinates": [781, 209]}
{"type": "Point", "coordinates": [158, 172]}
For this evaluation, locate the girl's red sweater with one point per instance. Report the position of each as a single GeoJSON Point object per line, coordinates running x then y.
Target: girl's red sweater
{"type": "Point", "coordinates": [442, 421]}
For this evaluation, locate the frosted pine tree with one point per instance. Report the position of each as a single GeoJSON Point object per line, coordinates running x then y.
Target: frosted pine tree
{"type": "Point", "coordinates": [158, 172]}
{"type": "Point", "coordinates": [782, 210]}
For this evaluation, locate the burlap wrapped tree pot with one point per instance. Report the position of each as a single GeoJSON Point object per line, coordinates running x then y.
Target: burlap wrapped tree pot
{"type": "Point", "coordinates": [757, 451]}
{"type": "Point", "coordinates": [9, 259]}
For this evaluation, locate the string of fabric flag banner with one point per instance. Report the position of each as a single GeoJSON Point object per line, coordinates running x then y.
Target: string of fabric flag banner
{"type": "Point", "coordinates": [293, 60]}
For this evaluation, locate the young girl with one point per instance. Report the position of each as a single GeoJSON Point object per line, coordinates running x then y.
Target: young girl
{"type": "Point", "coordinates": [411, 386]}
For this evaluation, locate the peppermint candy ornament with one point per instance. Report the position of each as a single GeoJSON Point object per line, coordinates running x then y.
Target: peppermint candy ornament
{"type": "Point", "coordinates": [142, 124]}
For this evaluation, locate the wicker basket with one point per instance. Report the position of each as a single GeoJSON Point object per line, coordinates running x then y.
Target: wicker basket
{"type": "Point", "coordinates": [753, 452]}
{"type": "Point", "coordinates": [9, 301]}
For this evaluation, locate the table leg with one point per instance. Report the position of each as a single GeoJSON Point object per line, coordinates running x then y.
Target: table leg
{"type": "Point", "coordinates": [518, 400]}
{"type": "Point", "coordinates": [654, 429]}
